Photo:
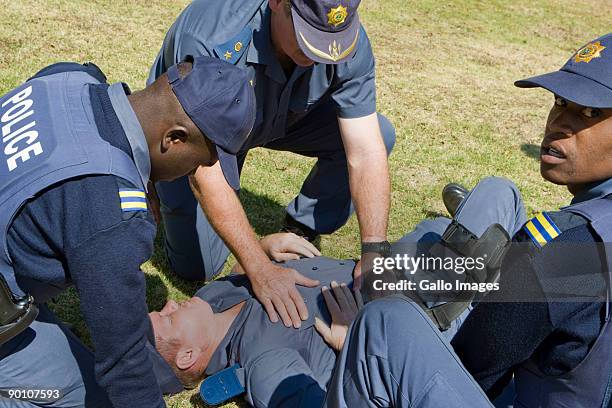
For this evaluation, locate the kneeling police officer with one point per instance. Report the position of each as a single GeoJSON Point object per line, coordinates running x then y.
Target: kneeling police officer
{"type": "Point", "coordinates": [78, 156]}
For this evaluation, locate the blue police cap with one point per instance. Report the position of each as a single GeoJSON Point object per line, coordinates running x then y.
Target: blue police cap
{"type": "Point", "coordinates": [586, 79]}
{"type": "Point", "coordinates": [327, 30]}
{"type": "Point", "coordinates": [220, 100]}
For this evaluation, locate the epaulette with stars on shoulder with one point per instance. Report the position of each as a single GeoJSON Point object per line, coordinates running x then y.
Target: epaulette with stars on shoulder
{"type": "Point", "coordinates": [232, 50]}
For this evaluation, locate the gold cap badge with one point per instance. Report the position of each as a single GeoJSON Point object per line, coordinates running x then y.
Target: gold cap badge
{"type": "Point", "coordinates": [590, 51]}
{"type": "Point", "coordinates": [337, 16]}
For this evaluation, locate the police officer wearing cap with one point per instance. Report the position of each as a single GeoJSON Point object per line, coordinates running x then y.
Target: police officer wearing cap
{"type": "Point", "coordinates": [78, 156]}
{"type": "Point", "coordinates": [556, 341]}
{"type": "Point", "coordinates": [312, 67]}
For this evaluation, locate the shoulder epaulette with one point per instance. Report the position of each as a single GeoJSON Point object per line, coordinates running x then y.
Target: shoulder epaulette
{"type": "Point", "coordinates": [541, 229]}
{"type": "Point", "coordinates": [232, 50]}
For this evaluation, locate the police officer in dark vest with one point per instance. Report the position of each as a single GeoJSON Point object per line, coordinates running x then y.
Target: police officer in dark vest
{"type": "Point", "coordinates": [78, 155]}
{"type": "Point", "coordinates": [548, 326]}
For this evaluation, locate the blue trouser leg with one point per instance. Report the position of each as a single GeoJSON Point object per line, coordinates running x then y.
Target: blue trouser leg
{"type": "Point", "coordinates": [193, 248]}
{"type": "Point", "coordinates": [493, 200]}
{"type": "Point", "coordinates": [395, 357]}
{"type": "Point", "coordinates": [324, 202]}
{"type": "Point", "coordinates": [48, 356]}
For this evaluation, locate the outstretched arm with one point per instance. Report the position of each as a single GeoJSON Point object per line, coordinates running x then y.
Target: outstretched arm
{"type": "Point", "coordinates": [368, 178]}
{"type": "Point", "coordinates": [273, 285]}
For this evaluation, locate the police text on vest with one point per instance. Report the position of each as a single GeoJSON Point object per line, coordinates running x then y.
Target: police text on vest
{"type": "Point", "coordinates": [18, 133]}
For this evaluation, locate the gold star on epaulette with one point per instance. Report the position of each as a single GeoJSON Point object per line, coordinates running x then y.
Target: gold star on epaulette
{"type": "Point", "coordinates": [227, 55]}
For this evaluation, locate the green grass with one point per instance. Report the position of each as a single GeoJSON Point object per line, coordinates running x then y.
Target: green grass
{"type": "Point", "coordinates": [445, 73]}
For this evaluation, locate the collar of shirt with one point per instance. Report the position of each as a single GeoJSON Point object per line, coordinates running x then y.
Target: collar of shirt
{"type": "Point", "coordinates": [219, 359]}
{"type": "Point", "coordinates": [133, 131]}
{"type": "Point", "coordinates": [225, 293]}
{"type": "Point", "coordinates": [261, 50]}
{"type": "Point", "coordinates": [595, 190]}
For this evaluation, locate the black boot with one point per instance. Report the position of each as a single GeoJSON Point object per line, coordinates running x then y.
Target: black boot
{"type": "Point", "coordinates": [452, 196]}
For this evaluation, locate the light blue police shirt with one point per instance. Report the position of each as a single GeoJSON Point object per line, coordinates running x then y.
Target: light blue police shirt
{"type": "Point", "coordinates": [239, 31]}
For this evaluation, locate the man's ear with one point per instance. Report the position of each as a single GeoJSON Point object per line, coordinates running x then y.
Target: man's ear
{"type": "Point", "coordinates": [174, 135]}
{"type": "Point", "coordinates": [187, 357]}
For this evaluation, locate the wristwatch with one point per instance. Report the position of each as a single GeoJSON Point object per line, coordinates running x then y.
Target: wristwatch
{"type": "Point", "coordinates": [383, 248]}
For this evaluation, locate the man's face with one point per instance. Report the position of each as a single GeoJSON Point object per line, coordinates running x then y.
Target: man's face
{"type": "Point", "coordinates": [283, 35]}
{"type": "Point", "coordinates": [577, 145]}
{"type": "Point", "coordinates": [185, 321]}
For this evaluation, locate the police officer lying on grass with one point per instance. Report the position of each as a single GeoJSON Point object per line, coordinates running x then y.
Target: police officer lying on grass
{"type": "Point", "coordinates": [223, 325]}
{"type": "Point", "coordinates": [558, 351]}
{"type": "Point", "coordinates": [313, 71]}
{"type": "Point", "coordinates": [78, 157]}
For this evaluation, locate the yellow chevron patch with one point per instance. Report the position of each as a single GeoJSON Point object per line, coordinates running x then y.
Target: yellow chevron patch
{"type": "Point", "coordinates": [541, 229]}
{"type": "Point", "coordinates": [132, 200]}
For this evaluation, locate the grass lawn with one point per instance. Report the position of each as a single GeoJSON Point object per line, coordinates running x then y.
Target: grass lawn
{"type": "Point", "coordinates": [445, 74]}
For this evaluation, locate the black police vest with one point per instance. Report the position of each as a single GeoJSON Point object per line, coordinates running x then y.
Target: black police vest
{"type": "Point", "coordinates": [588, 384]}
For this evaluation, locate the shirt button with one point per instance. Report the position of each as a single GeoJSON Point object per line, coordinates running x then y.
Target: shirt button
{"type": "Point", "coordinates": [314, 268]}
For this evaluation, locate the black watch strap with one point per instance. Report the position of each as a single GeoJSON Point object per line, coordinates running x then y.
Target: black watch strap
{"type": "Point", "coordinates": [383, 248]}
